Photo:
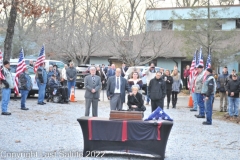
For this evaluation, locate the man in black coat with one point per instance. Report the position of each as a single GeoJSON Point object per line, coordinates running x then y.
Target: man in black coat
{"type": "Point", "coordinates": [157, 91]}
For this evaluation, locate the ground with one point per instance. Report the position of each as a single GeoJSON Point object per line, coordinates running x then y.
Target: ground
{"type": "Point", "coordinates": [51, 131]}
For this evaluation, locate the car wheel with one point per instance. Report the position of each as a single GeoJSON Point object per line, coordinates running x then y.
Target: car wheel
{"type": "Point", "coordinates": [80, 86]}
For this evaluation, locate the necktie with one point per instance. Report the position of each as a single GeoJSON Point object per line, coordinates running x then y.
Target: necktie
{"type": "Point", "coordinates": [117, 83]}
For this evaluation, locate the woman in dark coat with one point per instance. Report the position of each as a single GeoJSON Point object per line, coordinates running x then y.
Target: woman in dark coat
{"type": "Point", "coordinates": [135, 101]}
{"type": "Point", "coordinates": [169, 81]}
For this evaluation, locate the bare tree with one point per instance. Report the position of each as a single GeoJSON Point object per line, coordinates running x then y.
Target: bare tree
{"type": "Point", "coordinates": [25, 7]}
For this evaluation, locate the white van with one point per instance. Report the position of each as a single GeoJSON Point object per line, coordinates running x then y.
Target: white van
{"type": "Point", "coordinates": [47, 63]}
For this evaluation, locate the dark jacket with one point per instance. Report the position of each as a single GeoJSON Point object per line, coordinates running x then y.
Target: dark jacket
{"type": "Point", "coordinates": [169, 82]}
{"type": "Point", "coordinates": [71, 72]}
{"type": "Point", "coordinates": [101, 75]}
{"type": "Point", "coordinates": [233, 86]}
{"type": "Point", "coordinates": [209, 85]}
{"type": "Point", "coordinates": [53, 83]}
{"type": "Point", "coordinates": [135, 100]}
{"type": "Point", "coordinates": [111, 84]}
{"type": "Point", "coordinates": [24, 82]}
{"type": "Point", "coordinates": [131, 83]}
{"type": "Point", "coordinates": [125, 70]}
{"type": "Point", "coordinates": [221, 82]}
{"type": "Point", "coordinates": [157, 89]}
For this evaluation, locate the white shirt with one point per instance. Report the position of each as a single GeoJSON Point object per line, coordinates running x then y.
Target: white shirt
{"type": "Point", "coordinates": [117, 90]}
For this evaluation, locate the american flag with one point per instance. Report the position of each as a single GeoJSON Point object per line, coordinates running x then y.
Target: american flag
{"type": "Point", "coordinates": [159, 114]}
{"type": "Point", "coordinates": [1, 59]}
{"type": "Point", "coordinates": [40, 60]}
{"type": "Point", "coordinates": [200, 58]}
{"type": "Point", "coordinates": [21, 66]}
{"type": "Point", "coordinates": [209, 60]}
{"type": "Point", "coordinates": [193, 65]}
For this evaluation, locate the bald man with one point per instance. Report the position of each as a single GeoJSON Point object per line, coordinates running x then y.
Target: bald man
{"type": "Point", "coordinates": [116, 87]}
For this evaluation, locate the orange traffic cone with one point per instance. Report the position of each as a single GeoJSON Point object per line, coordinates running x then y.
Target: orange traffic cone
{"type": "Point", "coordinates": [72, 97]}
{"type": "Point", "coordinates": [190, 102]}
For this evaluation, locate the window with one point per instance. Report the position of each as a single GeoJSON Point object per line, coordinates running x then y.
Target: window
{"type": "Point", "coordinates": [154, 25]}
{"type": "Point", "coordinates": [167, 25]}
{"type": "Point", "coordinates": [238, 23]}
{"type": "Point", "coordinates": [30, 70]}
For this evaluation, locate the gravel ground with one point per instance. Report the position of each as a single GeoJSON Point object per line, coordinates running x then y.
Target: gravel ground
{"type": "Point", "coordinates": [52, 131]}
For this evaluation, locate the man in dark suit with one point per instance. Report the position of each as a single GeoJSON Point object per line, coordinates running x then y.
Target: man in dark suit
{"type": "Point", "coordinates": [124, 69]}
{"type": "Point", "coordinates": [111, 71]}
{"type": "Point", "coordinates": [92, 84]}
{"type": "Point", "coordinates": [116, 87]}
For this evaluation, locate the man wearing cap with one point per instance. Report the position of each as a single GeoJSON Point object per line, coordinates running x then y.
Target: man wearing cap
{"type": "Point", "coordinates": [221, 82]}
{"type": "Point", "coordinates": [24, 85]}
{"type": "Point", "coordinates": [208, 90]}
{"type": "Point", "coordinates": [197, 89]}
{"type": "Point", "coordinates": [41, 78]}
{"type": "Point", "coordinates": [7, 85]}
{"type": "Point", "coordinates": [233, 89]}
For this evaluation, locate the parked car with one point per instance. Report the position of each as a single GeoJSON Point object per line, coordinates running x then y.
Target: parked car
{"type": "Point", "coordinates": [13, 67]}
{"type": "Point", "coordinates": [82, 72]}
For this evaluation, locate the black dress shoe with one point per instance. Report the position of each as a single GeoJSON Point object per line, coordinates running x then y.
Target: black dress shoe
{"type": "Point", "coordinates": [193, 110]}
{"type": "Point", "coordinates": [44, 103]}
{"type": "Point", "coordinates": [40, 103]}
{"type": "Point", "coordinates": [6, 113]}
{"type": "Point", "coordinates": [199, 116]}
{"type": "Point", "coordinates": [206, 123]}
{"type": "Point", "coordinates": [24, 109]}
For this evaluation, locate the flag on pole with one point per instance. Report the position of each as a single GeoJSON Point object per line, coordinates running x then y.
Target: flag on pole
{"type": "Point", "coordinates": [193, 65]}
{"type": "Point", "coordinates": [209, 60]}
{"type": "Point", "coordinates": [1, 63]}
{"type": "Point", "coordinates": [200, 58]}
{"type": "Point", "coordinates": [21, 66]}
{"type": "Point", "coordinates": [1, 58]}
{"type": "Point", "coordinates": [40, 60]}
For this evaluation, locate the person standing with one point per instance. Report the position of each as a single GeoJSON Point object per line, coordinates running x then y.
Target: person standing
{"type": "Point", "coordinates": [24, 85]}
{"type": "Point", "coordinates": [92, 84]}
{"type": "Point", "coordinates": [197, 89]}
{"type": "Point", "coordinates": [208, 90]}
{"type": "Point", "coordinates": [111, 71]}
{"type": "Point", "coordinates": [135, 80]}
{"type": "Point", "coordinates": [100, 73]}
{"type": "Point", "coordinates": [233, 89]}
{"type": "Point", "coordinates": [71, 77]}
{"type": "Point", "coordinates": [56, 72]}
{"type": "Point", "coordinates": [191, 87]}
{"type": "Point", "coordinates": [150, 74]}
{"type": "Point", "coordinates": [175, 87]}
{"type": "Point", "coordinates": [116, 87]}
{"type": "Point", "coordinates": [157, 91]}
{"type": "Point", "coordinates": [41, 78]}
{"type": "Point", "coordinates": [169, 80]}
{"type": "Point", "coordinates": [123, 70]}
{"type": "Point", "coordinates": [31, 63]}
{"type": "Point", "coordinates": [64, 75]}
{"type": "Point", "coordinates": [186, 74]}
{"type": "Point", "coordinates": [7, 85]}
{"type": "Point", "coordinates": [221, 84]}
{"type": "Point", "coordinates": [50, 72]}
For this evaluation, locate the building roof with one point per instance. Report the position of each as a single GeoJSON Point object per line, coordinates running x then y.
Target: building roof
{"type": "Point", "coordinates": [160, 44]}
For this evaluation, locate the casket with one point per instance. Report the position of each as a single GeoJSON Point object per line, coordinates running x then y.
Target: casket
{"type": "Point", "coordinates": [129, 115]}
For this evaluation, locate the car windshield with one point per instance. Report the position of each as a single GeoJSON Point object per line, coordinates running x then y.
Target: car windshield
{"type": "Point", "coordinates": [14, 67]}
{"type": "Point", "coordinates": [60, 65]}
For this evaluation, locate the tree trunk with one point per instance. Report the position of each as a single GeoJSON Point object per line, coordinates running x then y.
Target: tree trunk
{"type": "Point", "coordinates": [10, 31]}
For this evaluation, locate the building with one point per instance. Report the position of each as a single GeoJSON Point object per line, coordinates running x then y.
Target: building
{"type": "Point", "coordinates": [166, 19]}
